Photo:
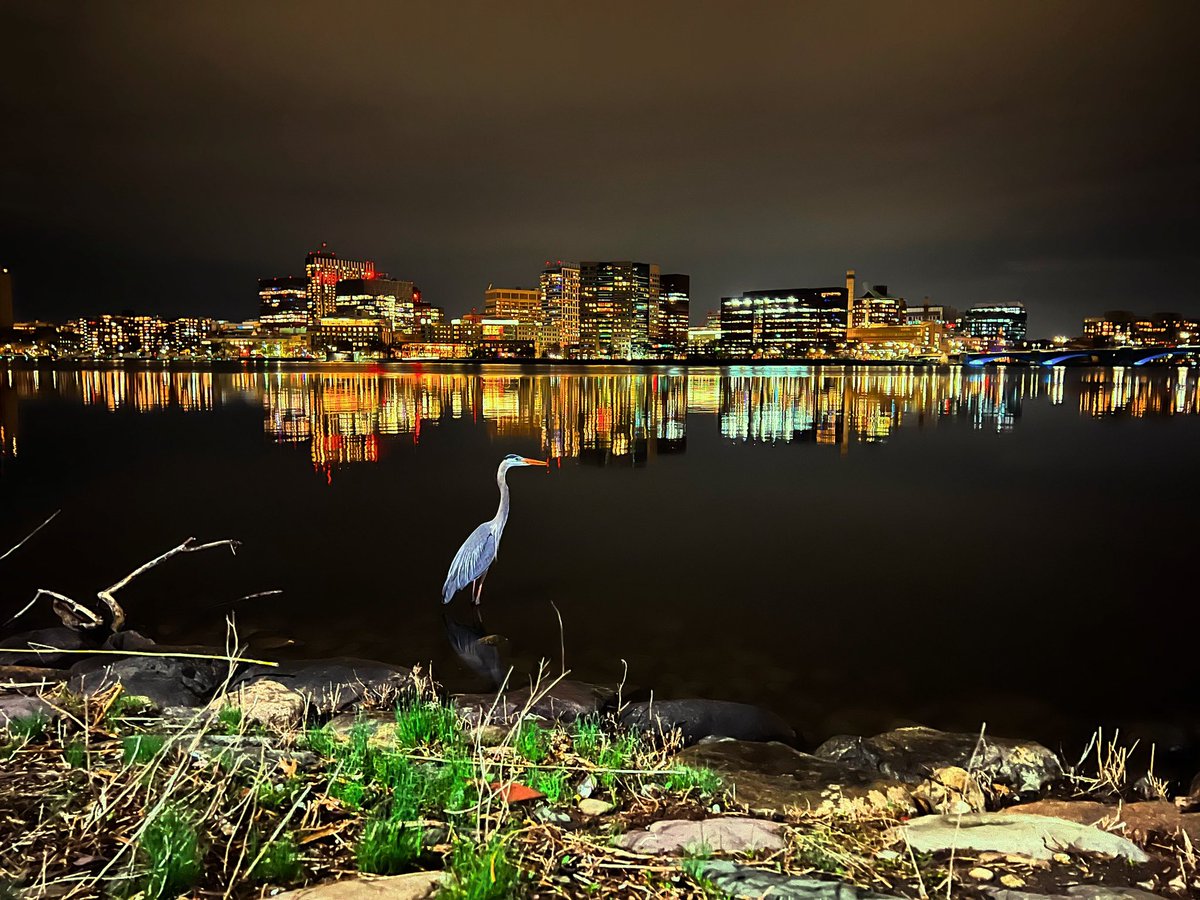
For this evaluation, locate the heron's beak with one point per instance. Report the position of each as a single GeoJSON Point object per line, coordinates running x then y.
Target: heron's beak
{"type": "Point", "coordinates": [534, 462]}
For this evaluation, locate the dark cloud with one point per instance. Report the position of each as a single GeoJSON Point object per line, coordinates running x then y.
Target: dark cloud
{"type": "Point", "coordinates": [162, 156]}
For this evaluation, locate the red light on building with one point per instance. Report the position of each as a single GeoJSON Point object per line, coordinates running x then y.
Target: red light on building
{"type": "Point", "coordinates": [370, 271]}
{"type": "Point", "coordinates": [327, 276]}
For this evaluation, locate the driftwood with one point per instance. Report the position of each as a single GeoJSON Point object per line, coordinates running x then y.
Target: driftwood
{"type": "Point", "coordinates": [78, 617]}
{"type": "Point", "coordinates": [11, 550]}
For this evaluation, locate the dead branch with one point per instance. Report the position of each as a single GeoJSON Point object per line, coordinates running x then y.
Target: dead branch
{"type": "Point", "coordinates": [9, 552]}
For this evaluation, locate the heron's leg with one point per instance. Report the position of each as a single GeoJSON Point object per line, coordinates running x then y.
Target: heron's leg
{"type": "Point", "coordinates": [479, 592]}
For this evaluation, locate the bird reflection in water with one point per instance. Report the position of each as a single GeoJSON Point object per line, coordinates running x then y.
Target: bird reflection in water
{"type": "Point", "coordinates": [479, 651]}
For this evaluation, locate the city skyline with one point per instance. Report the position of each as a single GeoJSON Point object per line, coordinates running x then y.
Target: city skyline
{"type": "Point", "coordinates": [1034, 153]}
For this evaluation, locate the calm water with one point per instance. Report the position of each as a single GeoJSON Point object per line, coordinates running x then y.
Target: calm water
{"type": "Point", "coordinates": [852, 548]}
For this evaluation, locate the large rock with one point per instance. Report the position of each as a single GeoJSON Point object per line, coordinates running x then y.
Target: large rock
{"type": "Point", "coordinates": [331, 685]}
{"type": "Point", "coordinates": [731, 834]}
{"type": "Point", "coordinates": [1039, 837]}
{"type": "Point", "coordinates": [1139, 821]}
{"type": "Point", "coordinates": [267, 703]}
{"type": "Point", "coordinates": [163, 680]}
{"type": "Point", "coordinates": [735, 880]}
{"type": "Point", "coordinates": [1075, 892]}
{"type": "Point", "coordinates": [414, 886]}
{"type": "Point", "coordinates": [771, 778]}
{"type": "Point", "coordinates": [566, 701]}
{"type": "Point", "coordinates": [39, 641]}
{"type": "Point", "coordinates": [698, 719]}
{"type": "Point", "coordinates": [913, 754]}
{"type": "Point", "coordinates": [20, 706]}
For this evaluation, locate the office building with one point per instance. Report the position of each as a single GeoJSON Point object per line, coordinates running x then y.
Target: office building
{"type": "Point", "coordinates": [670, 328]}
{"type": "Point", "coordinates": [998, 324]}
{"type": "Point", "coordinates": [521, 305]}
{"type": "Point", "coordinates": [876, 307]}
{"type": "Point", "coordinates": [1117, 328]}
{"type": "Point", "coordinates": [6, 299]}
{"type": "Point", "coordinates": [283, 302]}
{"type": "Point", "coordinates": [378, 298]}
{"type": "Point", "coordinates": [616, 299]}
{"type": "Point", "coordinates": [930, 312]}
{"type": "Point", "coordinates": [323, 269]}
{"type": "Point", "coordinates": [358, 336]}
{"type": "Point", "coordinates": [559, 290]}
{"type": "Point", "coordinates": [782, 323]}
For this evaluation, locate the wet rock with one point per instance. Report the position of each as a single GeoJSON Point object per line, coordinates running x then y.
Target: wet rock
{"type": "Point", "coordinates": [733, 834]}
{"type": "Point", "coordinates": [911, 755]}
{"type": "Point", "coordinates": [332, 685]}
{"type": "Point", "coordinates": [1138, 821]}
{"type": "Point", "coordinates": [698, 719]}
{"type": "Point", "coordinates": [771, 778]}
{"type": "Point", "coordinates": [17, 677]}
{"type": "Point", "coordinates": [1038, 837]}
{"type": "Point", "coordinates": [747, 882]}
{"type": "Point", "coordinates": [565, 702]}
{"type": "Point", "coordinates": [20, 706]}
{"type": "Point", "coordinates": [163, 680]}
{"type": "Point", "coordinates": [1076, 892]}
{"type": "Point", "coordinates": [267, 703]}
{"type": "Point", "coordinates": [950, 790]}
{"type": "Point", "coordinates": [58, 638]}
{"type": "Point", "coordinates": [414, 886]}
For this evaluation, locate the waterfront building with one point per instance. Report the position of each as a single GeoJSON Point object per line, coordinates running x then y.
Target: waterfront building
{"type": "Point", "coordinates": [1120, 327]}
{"type": "Point", "coordinates": [559, 290]}
{"type": "Point", "coordinates": [6, 299]}
{"type": "Point", "coordinates": [876, 307]}
{"type": "Point", "coordinates": [521, 305]}
{"type": "Point", "coordinates": [1003, 323]}
{"type": "Point", "coordinates": [323, 269]}
{"type": "Point", "coordinates": [899, 341]}
{"type": "Point", "coordinates": [785, 322]}
{"type": "Point", "coordinates": [615, 300]}
{"type": "Point", "coordinates": [187, 335]}
{"type": "Point", "coordinates": [670, 328]}
{"type": "Point", "coordinates": [284, 302]}
{"type": "Point", "coordinates": [930, 312]}
{"type": "Point", "coordinates": [379, 298]}
{"type": "Point", "coordinates": [360, 336]}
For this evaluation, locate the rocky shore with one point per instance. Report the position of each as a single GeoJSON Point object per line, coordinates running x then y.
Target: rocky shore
{"type": "Point", "coordinates": [136, 769]}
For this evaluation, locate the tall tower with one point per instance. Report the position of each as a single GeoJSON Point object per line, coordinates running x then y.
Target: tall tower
{"type": "Point", "coordinates": [324, 269]}
{"type": "Point", "coordinates": [849, 298]}
{"type": "Point", "coordinates": [6, 301]}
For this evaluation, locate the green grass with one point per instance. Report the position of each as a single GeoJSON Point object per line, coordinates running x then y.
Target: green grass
{"type": "Point", "coordinates": [277, 796]}
{"type": "Point", "coordinates": [25, 728]}
{"type": "Point", "coordinates": [170, 850]}
{"type": "Point", "coordinates": [683, 779]}
{"type": "Point", "coordinates": [554, 783]}
{"type": "Point", "coordinates": [617, 754]}
{"type": "Point", "coordinates": [531, 743]}
{"type": "Point", "coordinates": [230, 719]}
{"type": "Point", "coordinates": [139, 749]}
{"type": "Point", "coordinates": [75, 755]}
{"type": "Point", "coordinates": [389, 846]}
{"type": "Point", "coordinates": [280, 863]}
{"type": "Point", "coordinates": [481, 872]}
{"type": "Point", "coordinates": [422, 723]}
{"type": "Point", "coordinates": [128, 705]}
{"type": "Point", "coordinates": [587, 738]}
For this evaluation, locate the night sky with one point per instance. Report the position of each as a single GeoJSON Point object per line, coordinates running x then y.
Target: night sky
{"type": "Point", "coordinates": [161, 157]}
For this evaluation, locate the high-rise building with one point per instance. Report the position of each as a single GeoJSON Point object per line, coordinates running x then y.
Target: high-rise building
{"type": "Point", "coordinates": [616, 298]}
{"type": "Point", "coordinates": [323, 269]}
{"type": "Point", "coordinates": [876, 307]}
{"type": "Point", "coordinates": [997, 323]}
{"type": "Point", "coordinates": [522, 305]}
{"type": "Point", "coordinates": [670, 328]}
{"type": "Point", "coordinates": [6, 299]}
{"type": "Point", "coordinates": [559, 290]}
{"type": "Point", "coordinates": [1120, 327]}
{"type": "Point", "coordinates": [782, 323]}
{"type": "Point", "coordinates": [283, 302]}
{"type": "Point", "coordinates": [380, 298]}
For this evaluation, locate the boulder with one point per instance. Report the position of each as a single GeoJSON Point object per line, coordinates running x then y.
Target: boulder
{"type": "Point", "coordinates": [414, 886]}
{"type": "Point", "coordinates": [267, 703]}
{"type": "Point", "coordinates": [163, 680]}
{"type": "Point", "coordinates": [21, 677]}
{"type": "Point", "coordinates": [1076, 892]}
{"type": "Point", "coordinates": [1039, 837]}
{"type": "Point", "coordinates": [770, 778]}
{"type": "Point", "coordinates": [331, 685]}
{"type": "Point", "coordinates": [20, 706]}
{"type": "Point", "coordinates": [564, 702]}
{"type": "Point", "coordinates": [731, 834]}
{"type": "Point", "coordinates": [1139, 821]}
{"type": "Point", "coordinates": [735, 880]}
{"type": "Point", "coordinates": [912, 754]}
{"type": "Point", "coordinates": [698, 719]}
{"type": "Point", "coordinates": [58, 638]}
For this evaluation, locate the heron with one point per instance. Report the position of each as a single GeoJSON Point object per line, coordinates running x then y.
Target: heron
{"type": "Point", "coordinates": [478, 552]}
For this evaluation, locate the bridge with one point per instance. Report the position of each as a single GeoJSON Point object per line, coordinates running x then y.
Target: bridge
{"type": "Point", "coordinates": [1188, 355]}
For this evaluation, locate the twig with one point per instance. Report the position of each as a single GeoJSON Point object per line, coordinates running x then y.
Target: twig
{"type": "Point", "coordinates": [7, 553]}
{"type": "Point", "coordinates": [44, 648]}
{"type": "Point", "coordinates": [562, 641]}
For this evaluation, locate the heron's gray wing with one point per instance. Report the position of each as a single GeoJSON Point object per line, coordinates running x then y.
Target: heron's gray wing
{"type": "Point", "coordinates": [471, 561]}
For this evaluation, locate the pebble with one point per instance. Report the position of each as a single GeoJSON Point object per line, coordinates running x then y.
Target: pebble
{"type": "Point", "coordinates": [1012, 881]}
{"type": "Point", "coordinates": [1062, 858]}
{"type": "Point", "coordinates": [592, 807]}
{"type": "Point", "coordinates": [980, 873]}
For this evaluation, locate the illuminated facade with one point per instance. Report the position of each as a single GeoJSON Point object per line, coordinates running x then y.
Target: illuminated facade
{"type": "Point", "coordinates": [876, 307]}
{"type": "Point", "coordinates": [283, 302]}
{"type": "Point", "coordinates": [559, 290]}
{"type": "Point", "coordinates": [521, 305]}
{"type": "Point", "coordinates": [379, 298]}
{"type": "Point", "coordinates": [669, 334]}
{"type": "Point", "coordinates": [323, 269]}
{"type": "Point", "coordinates": [1122, 328]}
{"type": "Point", "coordinates": [930, 312]}
{"type": "Point", "coordinates": [356, 335]}
{"type": "Point", "coordinates": [783, 323]}
{"type": "Point", "coordinates": [616, 299]}
{"type": "Point", "coordinates": [999, 324]}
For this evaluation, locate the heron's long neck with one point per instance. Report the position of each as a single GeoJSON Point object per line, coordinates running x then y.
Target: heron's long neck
{"type": "Point", "coordinates": [502, 512]}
